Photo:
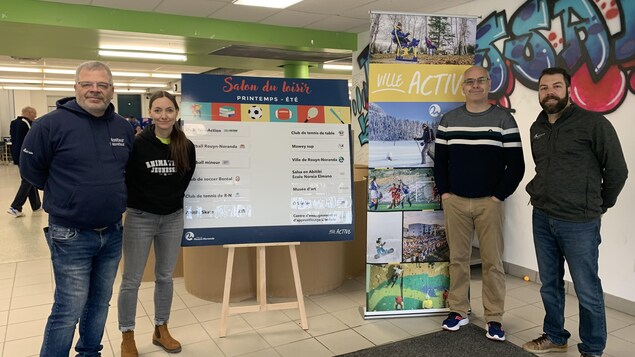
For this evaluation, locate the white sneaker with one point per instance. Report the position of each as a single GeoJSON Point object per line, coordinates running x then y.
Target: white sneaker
{"type": "Point", "coordinates": [14, 212]}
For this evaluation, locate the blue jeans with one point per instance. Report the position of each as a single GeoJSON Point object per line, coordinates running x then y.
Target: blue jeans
{"type": "Point", "coordinates": [85, 263]}
{"type": "Point", "coordinates": [577, 243]}
{"type": "Point", "coordinates": [140, 231]}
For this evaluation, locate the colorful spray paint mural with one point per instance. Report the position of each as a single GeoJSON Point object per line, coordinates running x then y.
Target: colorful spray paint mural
{"type": "Point", "coordinates": [593, 39]}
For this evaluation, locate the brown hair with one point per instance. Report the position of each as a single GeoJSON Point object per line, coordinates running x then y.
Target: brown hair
{"type": "Point", "coordinates": [178, 142]}
{"type": "Point", "coordinates": [557, 70]}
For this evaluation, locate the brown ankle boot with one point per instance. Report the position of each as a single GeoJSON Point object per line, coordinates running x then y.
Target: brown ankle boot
{"type": "Point", "coordinates": [128, 347]}
{"type": "Point", "coordinates": [162, 338]}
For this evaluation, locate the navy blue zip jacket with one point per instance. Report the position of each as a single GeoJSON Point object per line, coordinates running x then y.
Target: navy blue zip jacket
{"type": "Point", "coordinates": [18, 129]}
{"type": "Point", "coordinates": [79, 161]}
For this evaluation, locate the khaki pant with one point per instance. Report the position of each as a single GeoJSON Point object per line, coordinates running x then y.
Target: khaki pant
{"type": "Point", "coordinates": [463, 217]}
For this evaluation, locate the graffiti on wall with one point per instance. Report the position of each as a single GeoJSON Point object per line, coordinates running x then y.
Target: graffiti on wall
{"type": "Point", "coordinates": [593, 39]}
{"type": "Point", "coordinates": [359, 97]}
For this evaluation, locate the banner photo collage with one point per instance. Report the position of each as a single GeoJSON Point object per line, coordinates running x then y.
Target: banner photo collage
{"type": "Point", "coordinates": [274, 160]}
{"type": "Point", "coordinates": [415, 75]}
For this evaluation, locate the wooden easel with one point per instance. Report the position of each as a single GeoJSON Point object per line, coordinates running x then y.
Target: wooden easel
{"type": "Point", "coordinates": [261, 284]}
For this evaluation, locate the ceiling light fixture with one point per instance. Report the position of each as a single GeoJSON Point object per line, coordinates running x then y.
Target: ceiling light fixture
{"type": "Point", "coordinates": [22, 88]}
{"type": "Point", "coordinates": [49, 81]}
{"type": "Point", "coordinates": [338, 67]}
{"type": "Point", "coordinates": [20, 69]}
{"type": "Point", "coordinates": [167, 75]}
{"type": "Point", "coordinates": [22, 81]}
{"type": "Point", "coordinates": [130, 74]}
{"type": "Point", "coordinates": [143, 55]}
{"type": "Point", "coordinates": [121, 90]}
{"type": "Point", "coordinates": [59, 71]}
{"type": "Point", "coordinates": [276, 4]}
{"type": "Point", "coordinates": [59, 89]}
{"type": "Point", "coordinates": [142, 85]}
{"type": "Point", "coordinates": [141, 48]}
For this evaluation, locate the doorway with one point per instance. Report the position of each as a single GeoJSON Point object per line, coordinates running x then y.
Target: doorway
{"type": "Point", "coordinates": [129, 104]}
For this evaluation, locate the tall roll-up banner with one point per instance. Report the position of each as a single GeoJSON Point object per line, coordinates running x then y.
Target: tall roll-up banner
{"type": "Point", "coordinates": [415, 74]}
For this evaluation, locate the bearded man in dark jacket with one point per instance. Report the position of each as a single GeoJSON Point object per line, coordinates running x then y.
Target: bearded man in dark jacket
{"type": "Point", "coordinates": [580, 171]}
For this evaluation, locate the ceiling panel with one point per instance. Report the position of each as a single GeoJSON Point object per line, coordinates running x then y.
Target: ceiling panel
{"type": "Point", "coordinates": [243, 13]}
{"type": "Point", "coordinates": [293, 18]}
{"type": "Point", "coordinates": [330, 7]}
{"type": "Point", "coordinates": [339, 22]}
{"type": "Point", "coordinates": [197, 8]}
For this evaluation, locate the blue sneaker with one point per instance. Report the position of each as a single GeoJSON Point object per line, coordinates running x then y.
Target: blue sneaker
{"type": "Point", "coordinates": [454, 322]}
{"type": "Point", "coordinates": [495, 331]}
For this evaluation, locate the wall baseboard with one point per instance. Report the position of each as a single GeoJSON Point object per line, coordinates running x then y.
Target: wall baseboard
{"type": "Point", "coordinates": [613, 302]}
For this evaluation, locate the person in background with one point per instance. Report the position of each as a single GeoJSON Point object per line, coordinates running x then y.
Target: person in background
{"type": "Point", "coordinates": [580, 171]}
{"type": "Point", "coordinates": [18, 129]}
{"type": "Point", "coordinates": [478, 164]}
{"type": "Point", "coordinates": [426, 138]}
{"type": "Point", "coordinates": [136, 125]}
{"type": "Point", "coordinates": [77, 154]}
{"type": "Point", "coordinates": [161, 166]}
{"type": "Point", "coordinates": [399, 37]}
{"type": "Point", "coordinates": [405, 189]}
{"type": "Point", "coordinates": [379, 246]}
{"type": "Point", "coordinates": [396, 274]}
{"type": "Point", "coordinates": [373, 189]}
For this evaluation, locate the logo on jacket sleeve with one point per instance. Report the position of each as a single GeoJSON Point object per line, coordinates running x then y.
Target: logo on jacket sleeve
{"type": "Point", "coordinates": [117, 142]}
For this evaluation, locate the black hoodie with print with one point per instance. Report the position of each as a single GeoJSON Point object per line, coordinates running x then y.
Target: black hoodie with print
{"type": "Point", "coordinates": [154, 184]}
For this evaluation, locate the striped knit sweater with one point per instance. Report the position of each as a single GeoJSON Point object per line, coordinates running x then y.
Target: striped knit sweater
{"type": "Point", "coordinates": [478, 154]}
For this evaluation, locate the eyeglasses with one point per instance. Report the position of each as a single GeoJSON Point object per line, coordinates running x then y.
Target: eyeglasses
{"type": "Point", "coordinates": [100, 85]}
{"type": "Point", "coordinates": [472, 81]}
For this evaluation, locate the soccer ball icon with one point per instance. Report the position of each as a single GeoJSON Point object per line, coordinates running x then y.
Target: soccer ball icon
{"type": "Point", "coordinates": [254, 112]}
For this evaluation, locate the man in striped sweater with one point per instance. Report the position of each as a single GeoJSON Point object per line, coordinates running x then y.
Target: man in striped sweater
{"type": "Point", "coordinates": [478, 164]}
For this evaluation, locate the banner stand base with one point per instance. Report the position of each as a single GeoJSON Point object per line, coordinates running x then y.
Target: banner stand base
{"type": "Point", "coordinates": [261, 285]}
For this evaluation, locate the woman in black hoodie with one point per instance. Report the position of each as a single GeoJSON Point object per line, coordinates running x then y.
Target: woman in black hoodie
{"type": "Point", "coordinates": [159, 170]}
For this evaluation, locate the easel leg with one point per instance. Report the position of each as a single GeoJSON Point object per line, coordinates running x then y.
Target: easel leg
{"type": "Point", "coordinates": [228, 284]}
{"type": "Point", "coordinates": [261, 285]}
{"type": "Point", "coordinates": [261, 266]}
{"type": "Point", "coordinates": [298, 287]}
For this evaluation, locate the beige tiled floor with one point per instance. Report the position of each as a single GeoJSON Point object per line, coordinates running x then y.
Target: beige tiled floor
{"type": "Point", "coordinates": [335, 322]}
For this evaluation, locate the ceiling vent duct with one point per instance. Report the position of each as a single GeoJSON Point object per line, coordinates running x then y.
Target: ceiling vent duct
{"type": "Point", "coordinates": [281, 54]}
{"type": "Point", "coordinates": [26, 59]}
{"type": "Point", "coordinates": [225, 71]}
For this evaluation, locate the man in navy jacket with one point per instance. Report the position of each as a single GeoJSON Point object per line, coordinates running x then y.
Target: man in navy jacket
{"type": "Point", "coordinates": [18, 129]}
{"type": "Point", "coordinates": [77, 154]}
